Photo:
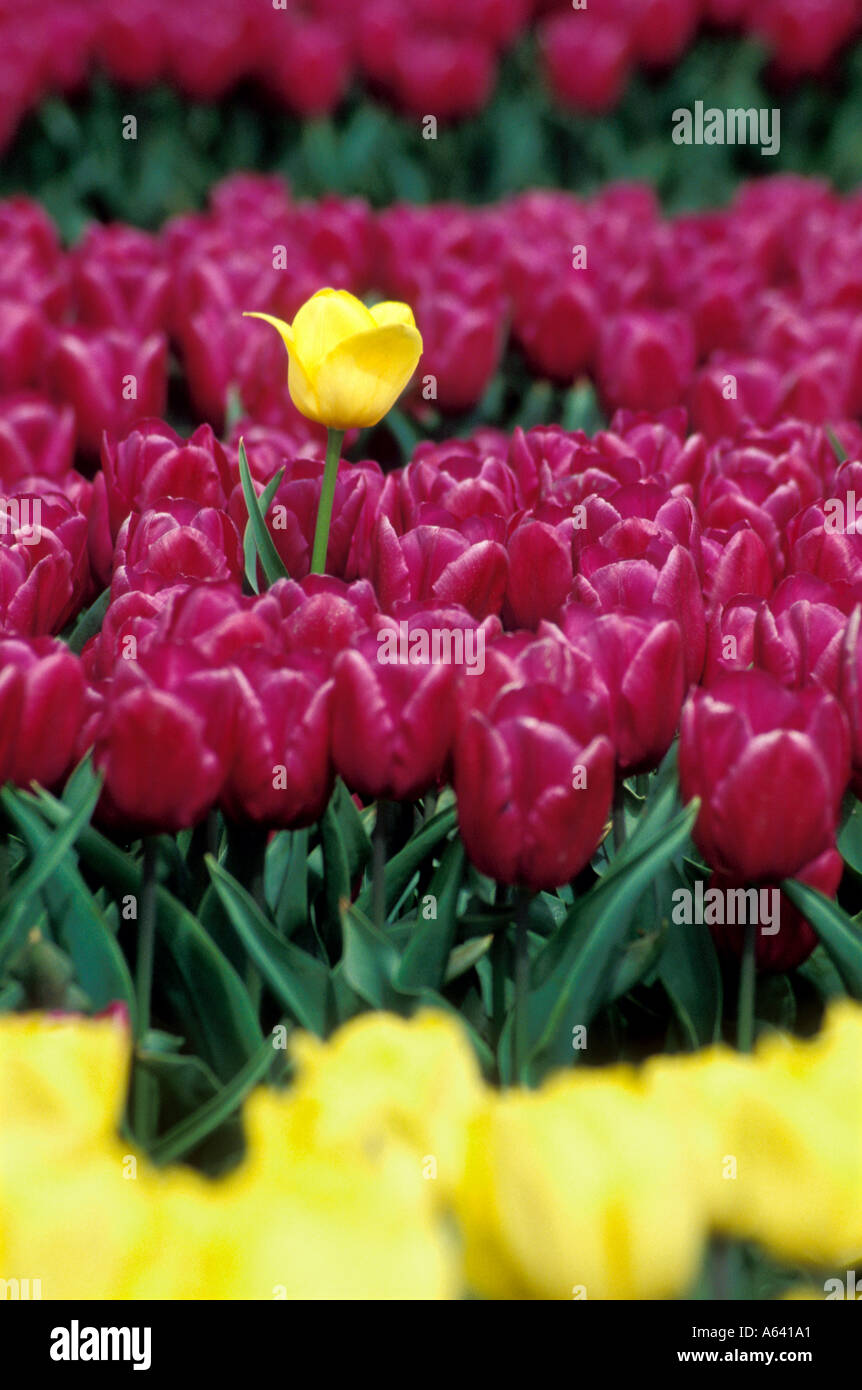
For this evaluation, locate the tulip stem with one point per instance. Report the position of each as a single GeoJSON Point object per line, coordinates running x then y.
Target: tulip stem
{"type": "Point", "coordinates": [143, 1085]}
{"type": "Point", "coordinates": [522, 989]}
{"type": "Point", "coordinates": [619, 816]}
{"type": "Point", "coordinates": [327, 497]}
{"type": "Point", "coordinates": [745, 1011]}
{"type": "Point", "coordinates": [378, 865]}
{"type": "Point", "coordinates": [146, 935]}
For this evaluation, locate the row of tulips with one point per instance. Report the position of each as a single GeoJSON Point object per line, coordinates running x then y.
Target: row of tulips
{"type": "Point", "coordinates": [745, 316]}
{"type": "Point", "coordinates": [389, 1170]}
{"type": "Point", "coordinates": [441, 57]}
{"type": "Point", "coordinates": [603, 592]}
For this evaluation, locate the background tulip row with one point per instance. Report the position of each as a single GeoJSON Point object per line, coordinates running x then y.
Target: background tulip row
{"type": "Point", "coordinates": [441, 58]}
{"type": "Point", "coordinates": [447, 107]}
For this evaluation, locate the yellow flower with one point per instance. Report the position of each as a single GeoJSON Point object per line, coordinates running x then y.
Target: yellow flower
{"type": "Point", "coordinates": [775, 1139]}
{"type": "Point", "coordinates": [85, 1215]}
{"type": "Point", "coordinates": [329, 1224]}
{"type": "Point", "coordinates": [348, 364]}
{"type": "Point", "coordinates": [62, 1078]}
{"type": "Point", "coordinates": [578, 1190]}
{"type": "Point", "coordinates": [384, 1082]}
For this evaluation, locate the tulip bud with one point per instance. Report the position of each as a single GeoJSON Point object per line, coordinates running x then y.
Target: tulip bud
{"type": "Point", "coordinates": [770, 766]}
{"type": "Point", "coordinates": [534, 778]}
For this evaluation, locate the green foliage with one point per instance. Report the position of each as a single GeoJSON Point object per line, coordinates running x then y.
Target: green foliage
{"type": "Point", "coordinates": [72, 156]}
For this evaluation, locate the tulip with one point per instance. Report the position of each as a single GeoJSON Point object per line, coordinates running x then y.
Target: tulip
{"type": "Point", "coordinates": [646, 359]}
{"type": "Point", "coordinates": [110, 377]}
{"type": "Point", "coordinates": [24, 335]}
{"type": "Point", "coordinates": [770, 767]}
{"type": "Point", "coordinates": [120, 280]}
{"type": "Point", "coordinates": [641, 663]}
{"type": "Point", "coordinates": [163, 742]}
{"type": "Point", "coordinates": [787, 947]}
{"type": "Point", "coordinates": [281, 773]}
{"type": "Point", "coordinates": [436, 563]}
{"type": "Point", "coordinates": [534, 779]}
{"type": "Point", "coordinates": [41, 710]}
{"type": "Point", "coordinates": [44, 571]}
{"type": "Point", "coordinates": [291, 519]}
{"type": "Point", "coordinates": [730, 637]}
{"type": "Point", "coordinates": [587, 60]}
{"type": "Point", "coordinates": [348, 364]}
{"type": "Point", "coordinates": [347, 367]}
{"type": "Point", "coordinates": [798, 633]}
{"type": "Point", "coordinates": [153, 463]}
{"type": "Point", "coordinates": [175, 544]}
{"type": "Point", "coordinates": [662, 577]}
{"type": "Point", "coordinates": [37, 438]}
{"type": "Point", "coordinates": [579, 1189]}
{"type": "Point", "coordinates": [540, 572]}
{"type": "Point", "coordinates": [850, 692]}
{"type": "Point", "coordinates": [393, 719]}
{"type": "Point", "coordinates": [322, 614]}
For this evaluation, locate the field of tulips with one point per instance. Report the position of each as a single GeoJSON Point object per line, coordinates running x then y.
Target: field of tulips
{"type": "Point", "coordinates": [430, 690]}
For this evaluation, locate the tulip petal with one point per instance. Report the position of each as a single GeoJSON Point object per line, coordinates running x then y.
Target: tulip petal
{"type": "Point", "coordinates": [302, 392]}
{"type": "Point", "coordinates": [363, 376]}
{"type": "Point", "coordinates": [324, 321]}
{"type": "Point", "coordinates": [282, 328]}
{"type": "Point", "coordinates": [392, 311]}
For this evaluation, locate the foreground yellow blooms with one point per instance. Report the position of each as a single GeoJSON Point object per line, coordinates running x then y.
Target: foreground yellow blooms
{"type": "Point", "coordinates": [389, 1169]}
{"type": "Point", "coordinates": [348, 364]}
{"type": "Point", "coordinates": [776, 1140]}
{"type": "Point", "coordinates": [578, 1191]}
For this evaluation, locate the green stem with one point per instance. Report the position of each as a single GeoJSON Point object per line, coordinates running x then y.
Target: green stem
{"type": "Point", "coordinates": [378, 870]}
{"type": "Point", "coordinates": [499, 956]}
{"type": "Point", "coordinates": [619, 815]}
{"type": "Point", "coordinates": [327, 496]}
{"type": "Point", "coordinates": [246, 860]}
{"type": "Point", "coordinates": [146, 936]}
{"type": "Point", "coordinates": [745, 1012]}
{"type": "Point", "coordinates": [522, 989]}
{"type": "Point", "coordinates": [143, 1083]}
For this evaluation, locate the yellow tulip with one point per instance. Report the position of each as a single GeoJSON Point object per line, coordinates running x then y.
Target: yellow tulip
{"type": "Point", "coordinates": [89, 1218]}
{"type": "Point", "coordinates": [774, 1138]}
{"type": "Point", "coordinates": [383, 1083]}
{"type": "Point", "coordinates": [348, 364]}
{"type": "Point", "coordinates": [578, 1190]}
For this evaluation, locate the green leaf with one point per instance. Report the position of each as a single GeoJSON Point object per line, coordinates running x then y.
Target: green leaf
{"type": "Point", "coordinates": [270, 560]}
{"type": "Point", "coordinates": [289, 902]}
{"type": "Point", "coordinates": [354, 836]}
{"type": "Point", "coordinates": [18, 901]}
{"type": "Point", "coordinates": [841, 935]}
{"type": "Point", "coordinates": [637, 962]}
{"type": "Point", "coordinates": [690, 973]}
{"type": "Point", "coordinates": [298, 981]}
{"type": "Point", "coordinates": [370, 961]}
{"type": "Point", "coordinates": [587, 948]}
{"type": "Point", "coordinates": [837, 447]}
{"type": "Point", "coordinates": [850, 839]}
{"type": "Point", "coordinates": [403, 865]}
{"type": "Point", "coordinates": [89, 623]}
{"type": "Point", "coordinates": [465, 956]}
{"type": "Point", "coordinates": [192, 976]}
{"type": "Point", "coordinates": [424, 963]}
{"type": "Point", "coordinates": [336, 873]}
{"type": "Point", "coordinates": [249, 541]}
{"type": "Point", "coordinates": [79, 923]}
{"type": "Point", "coordinates": [189, 1133]}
